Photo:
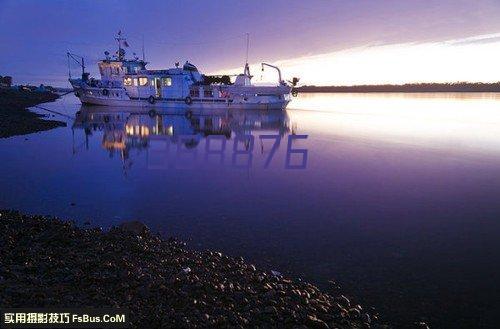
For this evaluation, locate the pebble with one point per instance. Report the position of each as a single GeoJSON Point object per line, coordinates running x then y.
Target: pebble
{"type": "Point", "coordinates": [343, 301]}
{"type": "Point", "coordinates": [144, 274]}
{"type": "Point", "coordinates": [316, 323]}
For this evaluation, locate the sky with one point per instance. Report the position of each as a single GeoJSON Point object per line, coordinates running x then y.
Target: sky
{"type": "Point", "coordinates": [336, 42]}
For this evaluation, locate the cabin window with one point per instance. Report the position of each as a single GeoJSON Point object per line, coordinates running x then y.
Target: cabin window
{"type": "Point", "coordinates": [127, 81]}
{"type": "Point", "coordinates": [136, 82]}
{"type": "Point", "coordinates": [166, 81]}
{"type": "Point", "coordinates": [208, 93]}
{"type": "Point", "coordinates": [143, 81]}
{"type": "Point", "coordinates": [194, 92]}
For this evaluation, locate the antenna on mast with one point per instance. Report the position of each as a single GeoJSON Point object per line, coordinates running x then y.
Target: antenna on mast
{"type": "Point", "coordinates": [143, 54]}
{"type": "Point", "coordinates": [248, 44]}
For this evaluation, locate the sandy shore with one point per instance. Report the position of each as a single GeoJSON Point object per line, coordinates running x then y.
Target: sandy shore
{"type": "Point", "coordinates": [49, 262]}
{"type": "Point", "coordinates": [16, 119]}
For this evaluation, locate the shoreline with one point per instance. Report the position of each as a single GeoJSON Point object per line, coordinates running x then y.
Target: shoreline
{"type": "Point", "coordinates": [398, 92]}
{"type": "Point", "coordinates": [15, 117]}
{"type": "Point", "coordinates": [50, 262]}
{"type": "Point", "coordinates": [460, 87]}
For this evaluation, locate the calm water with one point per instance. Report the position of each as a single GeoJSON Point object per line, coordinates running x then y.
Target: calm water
{"type": "Point", "coordinates": [394, 196]}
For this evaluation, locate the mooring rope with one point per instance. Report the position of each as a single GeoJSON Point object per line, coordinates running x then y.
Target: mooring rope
{"type": "Point", "coordinates": [55, 112]}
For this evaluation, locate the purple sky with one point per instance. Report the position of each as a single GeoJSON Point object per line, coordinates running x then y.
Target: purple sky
{"type": "Point", "coordinates": [35, 35]}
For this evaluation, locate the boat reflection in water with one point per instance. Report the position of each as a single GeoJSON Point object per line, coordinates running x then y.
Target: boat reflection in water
{"type": "Point", "coordinates": [170, 139]}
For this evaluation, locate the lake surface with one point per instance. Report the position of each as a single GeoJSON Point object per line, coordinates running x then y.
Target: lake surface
{"type": "Point", "coordinates": [396, 197]}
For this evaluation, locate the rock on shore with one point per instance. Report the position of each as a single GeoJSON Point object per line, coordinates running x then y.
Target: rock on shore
{"type": "Point", "coordinates": [48, 262]}
{"type": "Point", "coordinates": [16, 119]}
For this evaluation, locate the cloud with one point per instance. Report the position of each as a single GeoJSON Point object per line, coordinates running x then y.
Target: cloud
{"type": "Point", "coordinates": [484, 38]}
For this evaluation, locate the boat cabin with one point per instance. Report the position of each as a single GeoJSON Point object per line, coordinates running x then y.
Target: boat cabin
{"type": "Point", "coordinates": [173, 84]}
{"type": "Point", "coordinates": [115, 70]}
{"type": "Point", "coordinates": [158, 83]}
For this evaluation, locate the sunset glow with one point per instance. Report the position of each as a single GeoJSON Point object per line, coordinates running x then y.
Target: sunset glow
{"type": "Point", "coordinates": [322, 42]}
{"type": "Point", "coordinates": [473, 59]}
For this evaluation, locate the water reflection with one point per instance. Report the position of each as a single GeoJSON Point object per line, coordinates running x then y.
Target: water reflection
{"type": "Point", "coordinates": [186, 140]}
{"type": "Point", "coordinates": [449, 123]}
{"type": "Point", "coordinates": [399, 202]}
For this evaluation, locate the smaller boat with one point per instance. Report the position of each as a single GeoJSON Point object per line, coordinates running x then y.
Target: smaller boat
{"type": "Point", "coordinates": [127, 82]}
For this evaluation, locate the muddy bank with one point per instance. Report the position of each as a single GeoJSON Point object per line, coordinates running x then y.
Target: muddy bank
{"type": "Point", "coordinates": [48, 262]}
{"type": "Point", "coordinates": [16, 119]}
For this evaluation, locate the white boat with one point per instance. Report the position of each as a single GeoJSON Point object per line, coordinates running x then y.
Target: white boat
{"type": "Point", "coordinates": [127, 82]}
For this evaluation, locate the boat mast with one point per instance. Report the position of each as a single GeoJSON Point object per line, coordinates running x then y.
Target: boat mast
{"type": "Point", "coordinates": [247, 68]}
{"type": "Point", "coordinates": [248, 43]}
{"type": "Point", "coordinates": [143, 55]}
{"type": "Point", "coordinates": [80, 62]}
{"type": "Point", "coordinates": [121, 52]}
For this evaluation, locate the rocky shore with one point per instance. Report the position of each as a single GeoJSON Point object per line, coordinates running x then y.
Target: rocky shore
{"type": "Point", "coordinates": [16, 119]}
{"type": "Point", "coordinates": [49, 262]}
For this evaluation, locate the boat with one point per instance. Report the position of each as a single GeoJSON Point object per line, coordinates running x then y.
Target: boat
{"type": "Point", "coordinates": [128, 83]}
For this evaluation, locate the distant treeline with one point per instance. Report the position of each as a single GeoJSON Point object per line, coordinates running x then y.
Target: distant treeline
{"type": "Point", "coordinates": [406, 88]}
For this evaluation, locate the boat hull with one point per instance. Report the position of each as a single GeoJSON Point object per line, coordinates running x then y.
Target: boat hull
{"type": "Point", "coordinates": [165, 104]}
